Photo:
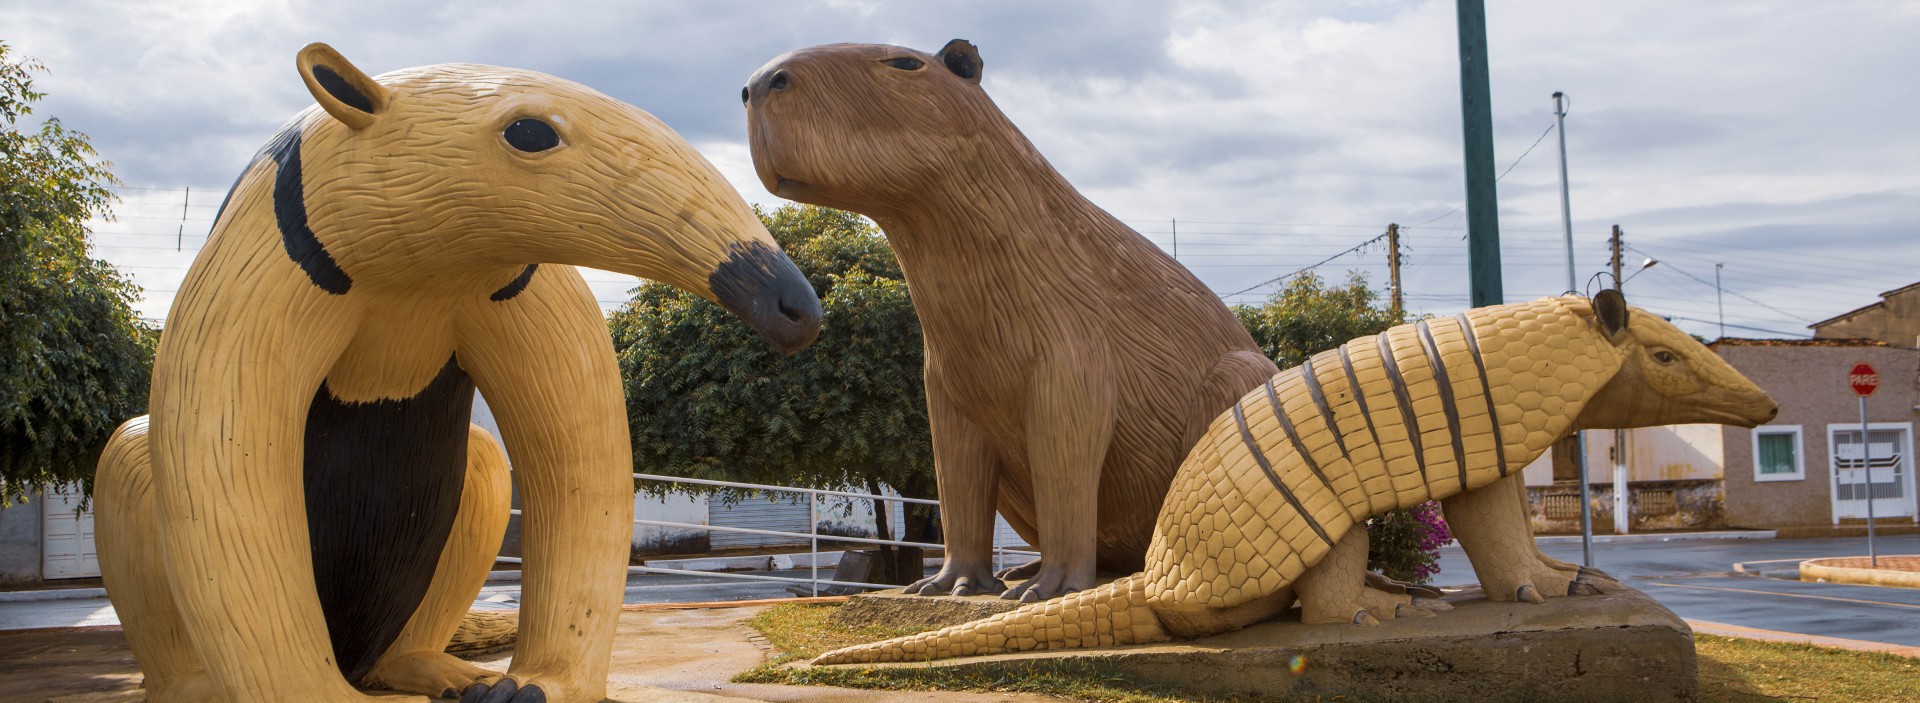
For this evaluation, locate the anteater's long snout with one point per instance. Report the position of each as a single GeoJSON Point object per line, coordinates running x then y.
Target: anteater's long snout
{"type": "Point", "coordinates": [762, 286]}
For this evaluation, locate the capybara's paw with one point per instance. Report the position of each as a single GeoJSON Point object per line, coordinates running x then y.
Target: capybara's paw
{"type": "Point", "coordinates": [1021, 572]}
{"type": "Point", "coordinates": [429, 673]}
{"type": "Point", "coordinates": [505, 690]}
{"type": "Point", "coordinates": [1048, 584]}
{"type": "Point", "coordinates": [956, 579]}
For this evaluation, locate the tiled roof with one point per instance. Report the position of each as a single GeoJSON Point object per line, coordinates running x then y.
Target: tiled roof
{"type": "Point", "coordinates": [1743, 342]}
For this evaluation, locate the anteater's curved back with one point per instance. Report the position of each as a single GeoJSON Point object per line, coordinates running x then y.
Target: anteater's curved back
{"type": "Point", "coordinates": [1380, 423]}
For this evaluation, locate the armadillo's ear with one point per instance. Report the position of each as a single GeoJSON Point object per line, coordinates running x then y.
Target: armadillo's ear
{"type": "Point", "coordinates": [351, 96]}
{"type": "Point", "coordinates": [960, 57]}
{"type": "Point", "coordinates": [1610, 308]}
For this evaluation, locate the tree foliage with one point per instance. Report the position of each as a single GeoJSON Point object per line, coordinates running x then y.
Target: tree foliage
{"type": "Point", "coordinates": [74, 359]}
{"type": "Point", "coordinates": [1310, 316]}
{"type": "Point", "coordinates": [708, 399]}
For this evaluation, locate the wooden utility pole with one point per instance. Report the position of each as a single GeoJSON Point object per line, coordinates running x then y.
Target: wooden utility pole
{"type": "Point", "coordinates": [1393, 269]}
{"type": "Point", "coordinates": [1616, 257]}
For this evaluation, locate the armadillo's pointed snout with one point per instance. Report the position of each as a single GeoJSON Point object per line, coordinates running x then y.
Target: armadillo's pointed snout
{"type": "Point", "coordinates": [763, 287]}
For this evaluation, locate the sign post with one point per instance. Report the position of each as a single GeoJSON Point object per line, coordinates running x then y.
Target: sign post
{"type": "Point", "coordinates": [1865, 380]}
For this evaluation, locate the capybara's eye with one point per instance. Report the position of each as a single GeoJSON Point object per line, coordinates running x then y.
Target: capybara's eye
{"type": "Point", "coordinates": [907, 63]}
{"type": "Point", "coordinates": [531, 135]}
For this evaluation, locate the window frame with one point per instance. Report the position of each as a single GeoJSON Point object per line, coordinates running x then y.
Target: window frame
{"type": "Point", "coordinates": [1799, 453]}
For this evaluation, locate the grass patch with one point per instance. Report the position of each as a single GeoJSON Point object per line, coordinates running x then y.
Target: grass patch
{"type": "Point", "coordinates": [1732, 670]}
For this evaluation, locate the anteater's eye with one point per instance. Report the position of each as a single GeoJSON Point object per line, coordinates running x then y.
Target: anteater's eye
{"type": "Point", "coordinates": [1665, 357]}
{"type": "Point", "coordinates": [905, 63]}
{"type": "Point", "coordinates": [531, 135]}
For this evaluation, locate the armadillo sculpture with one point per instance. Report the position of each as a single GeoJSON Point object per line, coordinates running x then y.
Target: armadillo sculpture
{"type": "Point", "coordinates": [1421, 412]}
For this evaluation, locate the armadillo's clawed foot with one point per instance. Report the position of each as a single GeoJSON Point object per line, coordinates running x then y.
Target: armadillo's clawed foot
{"type": "Point", "coordinates": [1381, 582]}
{"type": "Point", "coordinates": [1432, 604]}
{"type": "Point", "coordinates": [1362, 617]}
{"type": "Point", "coordinates": [1529, 594]}
{"type": "Point", "coordinates": [1593, 582]}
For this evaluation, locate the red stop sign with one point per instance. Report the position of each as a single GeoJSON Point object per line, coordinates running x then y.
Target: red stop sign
{"type": "Point", "coordinates": [1864, 379]}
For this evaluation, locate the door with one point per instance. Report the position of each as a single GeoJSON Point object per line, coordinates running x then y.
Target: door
{"type": "Point", "coordinates": [66, 538]}
{"type": "Point", "coordinates": [1883, 467]}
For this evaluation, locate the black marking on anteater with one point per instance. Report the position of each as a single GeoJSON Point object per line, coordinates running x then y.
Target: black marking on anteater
{"type": "Point", "coordinates": [1260, 457]}
{"type": "Point", "coordinates": [338, 87]}
{"type": "Point", "coordinates": [290, 212]}
{"type": "Point", "coordinates": [1486, 390]}
{"type": "Point", "coordinates": [383, 483]}
{"type": "Point", "coordinates": [513, 288]}
{"type": "Point", "coordinates": [1448, 403]}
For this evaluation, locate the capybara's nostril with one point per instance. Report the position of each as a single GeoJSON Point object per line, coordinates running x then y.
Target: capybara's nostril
{"type": "Point", "coordinates": [744, 92]}
{"type": "Point", "coordinates": [779, 81]}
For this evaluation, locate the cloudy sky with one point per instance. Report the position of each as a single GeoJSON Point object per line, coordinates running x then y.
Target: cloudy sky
{"type": "Point", "coordinates": [1774, 137]}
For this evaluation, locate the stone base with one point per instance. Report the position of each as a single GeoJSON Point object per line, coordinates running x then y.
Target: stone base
{"type": "Point", "coordinates": [1616, 647]}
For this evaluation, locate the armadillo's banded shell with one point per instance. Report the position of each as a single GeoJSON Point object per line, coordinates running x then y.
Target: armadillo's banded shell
{"type": "Point", "coordinates": [1301, 460]}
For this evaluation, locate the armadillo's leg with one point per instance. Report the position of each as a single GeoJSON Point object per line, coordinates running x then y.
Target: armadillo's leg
{"type": "Point", "coordinates": [1069, 426]}
{"type": "Point", "coordinates": [1493, 528]}
{"type": "Point", "coordinates": [417, 662]}
{"type": "Point", "coordinates": [1335, 590]}
{"type": "Point", "coordinates": [967, 473]}
{"type": "Point", "coordinates": [135, 571]}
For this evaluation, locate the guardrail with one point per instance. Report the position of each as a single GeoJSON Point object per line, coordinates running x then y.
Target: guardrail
{"type": "Point", "coordinates": [812, 534]}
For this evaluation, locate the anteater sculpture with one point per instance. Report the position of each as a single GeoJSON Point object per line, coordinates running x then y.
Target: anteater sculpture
{"type": "Point", "coordinates": [308, 507]}
{"type": "Point", "coordinates": [1421, 412]}
{"type": "Point", "coordinates": [1070, 363]}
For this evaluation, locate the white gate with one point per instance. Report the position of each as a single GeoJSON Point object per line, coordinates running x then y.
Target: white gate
{"type": "Point", "coordinates": [783, 513]}
{"type": "Point", "coordinates": [66, 538]}
{"type": "Point", "coordinates": [1887, 461]}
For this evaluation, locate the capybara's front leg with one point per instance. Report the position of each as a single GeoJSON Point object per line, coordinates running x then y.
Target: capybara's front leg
{"type": "Point", "coordinates": [573, 463]}
{"type": "Point", "coordinates": [967, 472]}
{"type": "Point", "coordinates": [1069, 426]}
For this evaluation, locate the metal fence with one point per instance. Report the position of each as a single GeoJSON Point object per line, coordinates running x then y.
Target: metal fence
{"type": "Point", "coordinates": [812, 535]}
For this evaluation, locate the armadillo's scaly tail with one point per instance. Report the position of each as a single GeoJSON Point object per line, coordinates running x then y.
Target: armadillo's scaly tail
{"type": "Point", "coordinates": [1113, 614]}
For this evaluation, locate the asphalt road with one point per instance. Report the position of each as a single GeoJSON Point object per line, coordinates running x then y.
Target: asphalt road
{"type": "Point", "coordinates": [1693, 577]}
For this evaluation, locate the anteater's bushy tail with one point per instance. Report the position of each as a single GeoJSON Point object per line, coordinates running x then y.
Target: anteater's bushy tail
{"type": "Point", "coordinates": [1112, 614]}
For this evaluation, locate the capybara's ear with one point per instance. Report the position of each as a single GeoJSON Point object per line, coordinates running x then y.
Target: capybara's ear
{"type": "Point", "coordinates": [1610, 307]}
{"type": "Point", "coordinates": [351, 96]}
{"type": "Point", "coordinates": [960, 57]}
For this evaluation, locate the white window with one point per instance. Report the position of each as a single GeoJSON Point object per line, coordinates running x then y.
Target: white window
{"type": "Point", "coordinates": [1777, 454]}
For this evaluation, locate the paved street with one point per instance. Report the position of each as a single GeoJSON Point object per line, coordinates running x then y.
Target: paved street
{"type": "Point", "coordinates": [1694, 578]}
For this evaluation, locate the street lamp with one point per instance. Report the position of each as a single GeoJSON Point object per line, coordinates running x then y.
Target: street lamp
{"type": "Point", "coordinates": [1649, 263]}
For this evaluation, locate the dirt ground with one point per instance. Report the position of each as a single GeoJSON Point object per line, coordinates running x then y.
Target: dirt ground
{"type": "Point", "coordinates": [694, 651]}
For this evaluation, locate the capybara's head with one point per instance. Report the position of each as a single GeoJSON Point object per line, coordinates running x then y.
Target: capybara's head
{"type": "Point", "coordinates": [869, 127]}
{"type": "Point", "coordinates": [1666, 376]}
{"type": "Point", "coordinates": [435, 175]}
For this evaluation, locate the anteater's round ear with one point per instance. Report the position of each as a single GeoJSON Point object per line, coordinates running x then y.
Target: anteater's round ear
{"type": "Point", "coordinates": [1610, 308]}
{"type": "Point", "coordinates": [960, 57]}
{"type": "Point", "coordinates": [351, 96]}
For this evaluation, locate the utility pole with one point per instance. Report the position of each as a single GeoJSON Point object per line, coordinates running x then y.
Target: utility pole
{"type": "Point", "coordinates": [180, 236]}
{"type": "Point", "coordinates": [1622, 497]}
{"type": "Point", "coordinates": [1719, 301]}
{"type": "Point", "coordinates": [1476, 123]}
{"type": "Point", "coordinates": [1573, 285]}
{"type": "Point", "coordinates": [1393, 270]}
{"type": "Point", "coordinates": [1176, 238]}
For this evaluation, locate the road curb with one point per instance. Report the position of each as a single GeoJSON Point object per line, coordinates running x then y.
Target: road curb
{"type": "Point", "coordinates": [1661, 537]}
{"type": "Point", "coordinates": [1825, 570]}
{"type": "Point", "coordinates": [1724, 630]}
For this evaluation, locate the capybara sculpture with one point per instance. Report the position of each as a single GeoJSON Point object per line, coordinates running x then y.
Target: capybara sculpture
{"type": "Point", "coordinates": [307, 508]}
{"type": "Point", "coordinates": [1421, 412]}
{"type": "Point", "coordinates": [1070, 363]}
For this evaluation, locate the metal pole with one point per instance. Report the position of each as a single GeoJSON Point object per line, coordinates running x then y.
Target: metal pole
{"type": "Point", "coordinates": [1622, 496]}
{"type": "Point", "coordinates": [1397, 301]}
{"type": "Point", "coordinates": [1176, 238]}
{"type": "Point", "coordinates": [1579, 437]}
{"type": "Point", "coordinates": [1476, 123]}
{"type": "Point", "coordinates": [1866, 461]}
{"type": "Point", "coordinates": [813, 537]}
{"type": "Point", "coordinates": [1719, 301]}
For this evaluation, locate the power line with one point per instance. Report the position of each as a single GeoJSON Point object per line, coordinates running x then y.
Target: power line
{"type": "Point", "coordinates": [1683, 272]}
{"type": "Point", "coordinates": [1322, 262]}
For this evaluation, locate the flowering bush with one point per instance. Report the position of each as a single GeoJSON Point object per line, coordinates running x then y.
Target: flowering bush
{"type": "Point", "coordinates": [1405, 544]}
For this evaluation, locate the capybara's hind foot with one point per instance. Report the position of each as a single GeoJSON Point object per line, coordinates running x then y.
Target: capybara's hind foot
{"type": "Point", "coordinates": [1021, 572]}
{"type": "Point", "coordinates": [957, 579]}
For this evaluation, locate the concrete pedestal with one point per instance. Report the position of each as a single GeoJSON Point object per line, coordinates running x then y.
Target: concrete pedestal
{"type": "Point", "coordinates": [1616, 647]}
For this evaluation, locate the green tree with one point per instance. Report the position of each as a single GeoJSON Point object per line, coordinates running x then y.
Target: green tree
{"type": "Point", "coordinates": [74, 359]}
{"type": "Point", "coordinates": [707, 399]}
{"type": "Point", "coordinates": [1310, 316]}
